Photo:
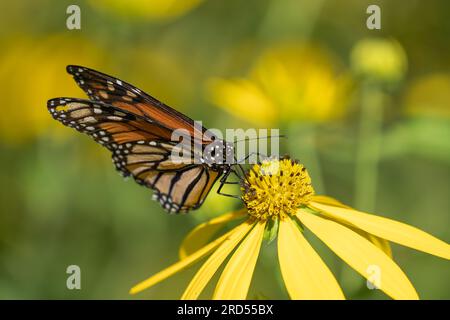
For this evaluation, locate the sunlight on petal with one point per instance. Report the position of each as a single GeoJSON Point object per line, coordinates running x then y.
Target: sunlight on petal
{"type": "Point", "coordinates": [360, 254]}
{"type": "Point", "coordinates": [182, 264]}
{"type": "Point", "coordinates": [235, 279]}
{"type": "Point", "coordinates": [389, 229]}
{"type": "Point", "coordinates": [201, 234]}
{"type": "Point", "coordinates": [304, 273]}
{"type": "Point", "coordinates": [209, 268]}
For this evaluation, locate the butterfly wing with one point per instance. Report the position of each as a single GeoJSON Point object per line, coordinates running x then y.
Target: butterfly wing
{"type": "Point", "coordinates": [118, 93]}
{"type": "Point", "coordinates": [139, 148]}
{"type": "Point", "coordinates": [183, 190]}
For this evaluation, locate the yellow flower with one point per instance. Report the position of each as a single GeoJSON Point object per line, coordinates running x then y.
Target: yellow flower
{"type": "Point", "coordinates": [152, 9]}
{"type": "Point", "coordinates": [281, 191]}
{"type": "Point", "coordinates": [380, 59]}
{"type": "Point", "coordinates": [283, 85]}
{"type": "Point", "coordinates": [31, 72]}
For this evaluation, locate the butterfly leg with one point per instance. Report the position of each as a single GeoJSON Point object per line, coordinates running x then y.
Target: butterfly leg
{"type": "Point", "coordinates": [223, 181]}
{"type": "Point", "coordinates": [239, 162]}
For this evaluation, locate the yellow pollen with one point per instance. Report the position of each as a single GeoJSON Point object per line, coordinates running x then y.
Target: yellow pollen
{"type": "Point", "coordinates": [276, 188]}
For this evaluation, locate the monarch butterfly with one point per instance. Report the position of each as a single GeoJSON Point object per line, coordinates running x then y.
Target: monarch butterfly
{"type": "Point", "coordinates": [137, 129]}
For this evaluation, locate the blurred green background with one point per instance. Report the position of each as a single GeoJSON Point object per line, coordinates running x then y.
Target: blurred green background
{"type": "Point", "coordinates": [310, 68]}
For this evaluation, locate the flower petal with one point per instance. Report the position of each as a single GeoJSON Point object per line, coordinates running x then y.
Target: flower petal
{"type": "Point", "coordinates": [361, 255]}
{"type": "Point", "coordinates": [305, 274]}
{"type": "Point", "coordinates": [182, 264]}
{"type": "Point", "coordinates": [201, 234]}
{"type": "Point", "coordinates": [209, 268]}
{"type": "Point", "coordinates": [381, 243]}
{"type": "Point", "coordinates": [237, 275]}
{"type": "Point", "coordinates": [328, 200]}
{"type": "Point", "coordinates": [388, 229]}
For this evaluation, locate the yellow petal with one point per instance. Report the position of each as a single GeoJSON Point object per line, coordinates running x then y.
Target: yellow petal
{"type": "Point", "coordinates": [180, 265]}
{"type": "Point", "coordinates": [361, 255]}
{"type": "Point", "coordinates": [378, 242]}
{"type": "Point", "coordinates": [389, 229]}
{"type": "Point", "coordinates": [381, 243]}
{"type": "Point", "coordinates": [237, 275]}
{"type": "Point", "coordinates": [209, 268]}
{"type": "Point", "coordinates": [304, 273]}
{"type": "Point", "coordinates": [201, 234]}
{"type": "Point", "coordinates": [328, 200]}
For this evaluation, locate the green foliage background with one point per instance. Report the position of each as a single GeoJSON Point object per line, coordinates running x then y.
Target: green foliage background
{"type": "Point", "coordinates": [62, 203]}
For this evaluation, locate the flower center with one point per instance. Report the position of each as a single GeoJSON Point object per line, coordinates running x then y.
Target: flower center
{"type": "Point", "coordinates": [276, 188]}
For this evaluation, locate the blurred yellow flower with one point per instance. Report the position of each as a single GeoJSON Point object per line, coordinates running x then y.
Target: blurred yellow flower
{"type": "Point", "coordinates": [31, 72]}
{"type": "Point", "coordinates": [151, 9]}
{"type": "Point", "coordinates": [380, 59]}
{"type": "Point", "coordinates": [280, 190]}
{"type": "Point", "coordinates": [429, 95]}
{"type": "Point", "coordinates": [287, 83]}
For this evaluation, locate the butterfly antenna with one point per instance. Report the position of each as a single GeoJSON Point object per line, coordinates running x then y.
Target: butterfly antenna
{"type": "Point", "coordinates": [257, 138]}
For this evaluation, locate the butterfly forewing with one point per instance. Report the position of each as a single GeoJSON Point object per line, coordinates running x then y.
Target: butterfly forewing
{"type": "Point", "coordinates": [102, 87]}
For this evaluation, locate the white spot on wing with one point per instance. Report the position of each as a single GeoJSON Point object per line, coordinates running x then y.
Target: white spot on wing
{"type": "Point", "coordinates": [114, 118]}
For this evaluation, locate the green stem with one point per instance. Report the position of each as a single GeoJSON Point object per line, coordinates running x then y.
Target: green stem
{"type": "Point", "coordinates": [368, 152]}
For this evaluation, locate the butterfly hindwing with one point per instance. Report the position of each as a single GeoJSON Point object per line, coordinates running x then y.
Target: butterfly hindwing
{"type": "Point", "coordinates": [184, 190]}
